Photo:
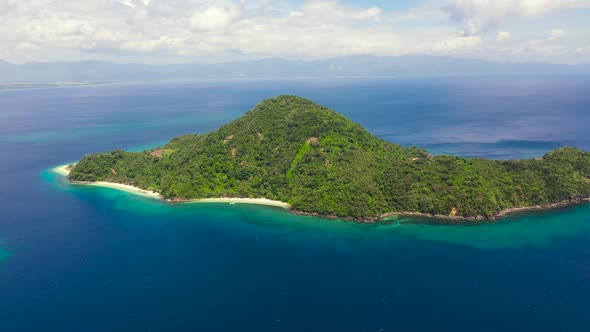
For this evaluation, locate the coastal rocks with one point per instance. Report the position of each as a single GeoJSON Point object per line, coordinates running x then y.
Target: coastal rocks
{"type": "Point", "coordinates": [562, 204]}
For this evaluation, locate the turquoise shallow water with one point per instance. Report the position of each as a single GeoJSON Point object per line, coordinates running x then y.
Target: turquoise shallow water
{"type": "Point", "coordinates": [528, 229]}
{"type": "Point", "coordinates": [78, 258]}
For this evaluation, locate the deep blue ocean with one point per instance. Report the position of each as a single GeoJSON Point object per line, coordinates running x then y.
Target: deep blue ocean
{"type": "Point", "coordinates": [75, 258]}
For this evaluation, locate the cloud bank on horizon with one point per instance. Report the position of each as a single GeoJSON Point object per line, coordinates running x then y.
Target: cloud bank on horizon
{"type": "Point", "coordinates": [168, 31]}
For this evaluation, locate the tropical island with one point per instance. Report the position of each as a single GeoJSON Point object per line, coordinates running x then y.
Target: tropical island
{"type": "Point", "coordinates": [316, 161]}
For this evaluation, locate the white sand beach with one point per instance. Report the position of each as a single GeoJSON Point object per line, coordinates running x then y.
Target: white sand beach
{"type": "Point", "coordinates": [123, 187]}
{"type": "Point", "coordinates": [238, 200]}
{"type": "Point", "coordinates": [64, 170]}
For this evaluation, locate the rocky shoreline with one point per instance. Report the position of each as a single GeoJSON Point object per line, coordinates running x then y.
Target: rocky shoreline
{"type": "Point", "coordinates": [557, 205]}
{"type": "Point", "coordinates": [385, 216]}
{"type": "Point", "coordinates": [496, 217]}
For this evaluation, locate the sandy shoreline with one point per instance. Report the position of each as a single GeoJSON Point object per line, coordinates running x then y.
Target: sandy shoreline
{"type": "Point", "coordinates": [239, 200]}
{"type": "Point", "coordinates": [123, 187]}
{"type": "Point", "coordinates": [63, 170]}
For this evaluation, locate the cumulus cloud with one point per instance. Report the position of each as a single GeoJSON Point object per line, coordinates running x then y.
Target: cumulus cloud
{"type": "Point", "coordinates": [458, 43]}
{"type": "Point", "coordinates": [503, 36]}
{"type": "Point", "coordinates": [556, 34]}
{"type": "Point", "coordinates": [216, 30]}
{"type": "Point", "coordinates": [198, 28]}
{"type": "Point", "coordinates": [333, 11]}
{"type": "Point", "coordinates": [541, 47]}
{"type": "Point", "coordinates": [214, 18]}
{"type": "Point", "coordinates": [477, 16]}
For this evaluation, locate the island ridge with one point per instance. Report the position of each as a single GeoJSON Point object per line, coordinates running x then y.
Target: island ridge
{"type": "Point", "coordinates": [292, 150]}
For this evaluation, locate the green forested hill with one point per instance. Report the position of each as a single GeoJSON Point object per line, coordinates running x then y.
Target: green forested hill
{"type": "Point", "coordinates": [293, 150]}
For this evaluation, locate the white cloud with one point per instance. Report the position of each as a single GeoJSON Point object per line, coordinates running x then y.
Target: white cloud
{"type": "Point", "coordinates": [214, 18]}
{"type": "Point", "coordinates": [333, 11]}
{"type": "Point", "coordinates": [199, 28]}
{"type": "Point", "coordinates": [542, 47]}
{"type": "Point", "coordinates": [479, 16]}
{"type": "Point", "coordinates": [556, 34]}
{"type": "Point", "coordinates": [457, 44]}
{"type": "Point", "coordinates": [26, 46]}
{"type": "Point", "coordinates": [136, 3]}
{"type": "Point", "coordinates": [8, 5]}
{"type": "Point", "coordinates": [218, 30]}
{"type": "Point", "coordinates": [503, 36]}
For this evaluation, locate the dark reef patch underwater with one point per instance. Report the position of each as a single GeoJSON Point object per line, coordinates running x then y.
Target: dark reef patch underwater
{"type": "Point", "coordinates": [77, 258]}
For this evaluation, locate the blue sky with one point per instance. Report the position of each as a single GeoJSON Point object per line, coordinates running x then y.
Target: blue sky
{"type": "Point", "coordinates": [172, 31]}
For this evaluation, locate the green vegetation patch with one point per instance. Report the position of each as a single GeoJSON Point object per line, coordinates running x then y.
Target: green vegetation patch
{"type": "Point", "coordinates": [304, 148]}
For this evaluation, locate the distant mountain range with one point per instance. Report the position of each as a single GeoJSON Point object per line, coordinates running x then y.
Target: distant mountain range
{"type": "Point", "coordinates": [358, 66]}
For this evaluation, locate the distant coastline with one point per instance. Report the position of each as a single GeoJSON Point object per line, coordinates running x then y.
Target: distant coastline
{"type": "Point", "coordinates": [7, 86]}
{"type": "Point", "coordinates": [64, 170]}
{"type": "Point", "coordinates": [404, 66]}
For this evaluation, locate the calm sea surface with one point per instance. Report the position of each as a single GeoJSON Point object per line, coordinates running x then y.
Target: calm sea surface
{"type": "Point", "coordinates": [77, 258]}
